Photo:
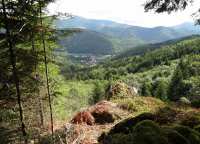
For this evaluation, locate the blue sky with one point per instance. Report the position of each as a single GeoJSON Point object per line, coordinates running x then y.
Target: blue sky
{"type": "Point", "coordinates": [123, 11]}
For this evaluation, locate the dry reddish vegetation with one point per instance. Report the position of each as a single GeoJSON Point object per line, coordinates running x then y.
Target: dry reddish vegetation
{"type": "Point", "coordinates": [105, 115]}
{"type": "Point", "coordinates": [83, 117]}
{"type": "Point", "coordinates": [101, 113]}
{"type": "Point", "coordinates": [88, 125]}
{"type": "Point", "coordinates": [95, 120]}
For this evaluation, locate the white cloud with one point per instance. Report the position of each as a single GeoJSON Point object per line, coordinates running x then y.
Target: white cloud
{"type": "Point", "coordinates": [124, 11]}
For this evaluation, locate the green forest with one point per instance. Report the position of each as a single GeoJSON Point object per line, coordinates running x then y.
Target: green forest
{"type": "Point", "coordinates": [64, 84]}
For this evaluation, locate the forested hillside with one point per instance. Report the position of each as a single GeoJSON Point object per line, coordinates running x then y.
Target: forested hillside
{"type": "Point", "coordinates": [148, 69]}
{"type": "Point", "coordinates": [87, 42]}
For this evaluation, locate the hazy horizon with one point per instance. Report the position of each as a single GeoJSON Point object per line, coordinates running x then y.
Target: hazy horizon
{"type": "Point", "coordinates": [186, 22]}
{"type": "Point", "coordinates": [129, 12]}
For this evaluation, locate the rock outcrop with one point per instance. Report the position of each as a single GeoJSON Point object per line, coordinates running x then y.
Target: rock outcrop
{"type": "Point", "coordinates": [120, 89]}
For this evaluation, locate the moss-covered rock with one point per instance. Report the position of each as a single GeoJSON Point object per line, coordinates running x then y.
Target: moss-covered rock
{"type": "Point", "coordinates": [144, 132]}
{"type": "Point", "coordinates": [119, 90]}
{"type": "Point", "coordinates": [148, 132]}
{"type": "Point", "coordinates": [126, 126]}
{"type": "Point", "coordinates": [191, 135]}
{"type": "Point", "coordinates": [174, 137]}
{"type": "Point", "coordinates": [146, 129]}
{"type": "Point", "coordinates": [191, 121]}
{"type": "Point", "coordinates": [120, 137]}
{"type": "Point", "coordinates": [197, 128]}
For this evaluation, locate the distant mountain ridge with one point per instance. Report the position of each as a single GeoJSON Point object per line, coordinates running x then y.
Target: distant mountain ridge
{"type": "Point", "coordinates": [88, 42]}
{"type": "Point", "coordinates": [92, 24]}
{"type": "Point", "coordinates": [119, 36]}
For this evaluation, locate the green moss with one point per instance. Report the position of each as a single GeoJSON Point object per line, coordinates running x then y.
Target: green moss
{"type": "Point", "coordinates": [191, 135]}
{"type": "Point", "coordinates": [191, 121]}
{"type": "Point", "coordinates": [148, 132]}
{"type": "Point", "coordinates": [197, 128]}
{"type": "Point", "coordinates": [116, 138]}
{"type": "Point", "coordinates": [139, 105]}
{"type": "Point", "coordinates": [126, 126]}
{"type": "Point", "coordinates": [174, 137]}
{"type": "Point", "coordinates": [120, 137]}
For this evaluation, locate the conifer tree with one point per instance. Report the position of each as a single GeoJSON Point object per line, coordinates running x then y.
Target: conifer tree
{"type": "Point", "coordinates": [146, 89]}
{"type": "Point", "coordinates": [46, 67]}
{"type": "Point", "coordinates": [161, 90]}
{"type": "Point", "coordinates": [176, 85]}
{"type": "Point", "coordinates": [160, 6]}
{"type": "Point", "coordinates": [18, 18]}
{"type": "Point", "coordinates": [6, 13]}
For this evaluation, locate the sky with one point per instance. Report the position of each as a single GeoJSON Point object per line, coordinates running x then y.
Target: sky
{"type": "Point", "coordinates": [122, 11]}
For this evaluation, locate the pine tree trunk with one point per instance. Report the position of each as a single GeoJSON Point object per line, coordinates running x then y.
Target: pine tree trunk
{"type": "Point", "coordinates": [46, 73]}
{"type": "Point", "coordinates": [14, 71]}
{"type": "Point", "coordinates": [41, 112]}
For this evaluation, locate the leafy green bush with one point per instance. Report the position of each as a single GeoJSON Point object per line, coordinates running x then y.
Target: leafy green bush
{"type": "Point", "coordinates": [98, 92]}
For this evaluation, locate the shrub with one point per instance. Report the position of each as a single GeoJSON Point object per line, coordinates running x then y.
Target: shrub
{"type": "Point", "coordinates": [98, 93]}
{"type": "Point", "coordinates": [196, 103]}
{"type": "Point", "coordinates": [146, 89]}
